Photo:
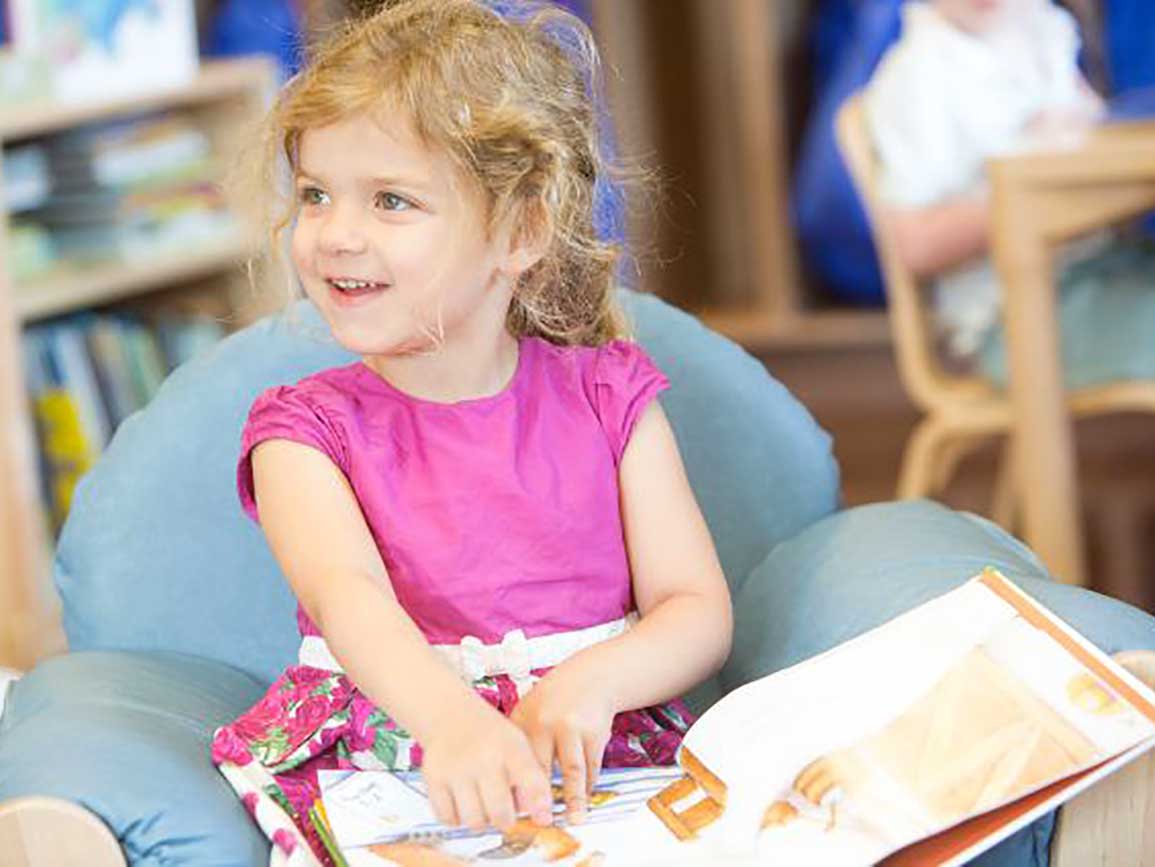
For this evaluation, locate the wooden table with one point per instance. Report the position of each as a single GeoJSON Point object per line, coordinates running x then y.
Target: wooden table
{"type": "Point", "coordinates": [1039, 200]}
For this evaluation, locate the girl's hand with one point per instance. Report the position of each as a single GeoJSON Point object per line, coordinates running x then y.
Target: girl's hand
{"type": "Point", "coordinates": [568, 718]}
{"type": "Point", "coordinates": [481, 771]}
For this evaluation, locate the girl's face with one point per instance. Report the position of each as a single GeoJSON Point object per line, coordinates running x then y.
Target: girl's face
{"type": "Point", "coordinates": [974, 16]}
{"type": "Point", "coordinates": [389, 241]}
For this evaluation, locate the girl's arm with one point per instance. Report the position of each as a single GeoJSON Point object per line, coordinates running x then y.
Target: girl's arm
{"type": "Point", "coordinates": [932, 239]}
{"type": "Point", "coordinates": [684, 633]}
{"type": "Point", "coordinates": [682, 638]}
{"type": "Point", "coordinates": [316, 530]}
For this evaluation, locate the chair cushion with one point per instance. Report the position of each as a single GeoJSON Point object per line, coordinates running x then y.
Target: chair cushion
{"type": "Point", "coordinates": [127, 735]}
{"type": "Point", "coordinates": [858, 569]}
{"type": "Point", "coordinates": [157, 555]}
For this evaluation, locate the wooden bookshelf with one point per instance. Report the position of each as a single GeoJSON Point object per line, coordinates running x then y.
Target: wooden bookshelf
{"type": "Point", "coordinates": [218, 81]}
{"type": "Point", "coordinates": [770, 330]}
{"type": "Point", "coordinates": [76, 287]}
{"type": "Point", "coordinates": [226, 99]}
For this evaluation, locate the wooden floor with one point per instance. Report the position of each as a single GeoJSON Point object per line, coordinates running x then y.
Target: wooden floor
{"type": "Point", "coordinates": [856, 396]}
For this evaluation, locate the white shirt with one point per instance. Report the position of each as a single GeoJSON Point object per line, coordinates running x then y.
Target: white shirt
{"type": "Point", "coordinates": [944, 101]}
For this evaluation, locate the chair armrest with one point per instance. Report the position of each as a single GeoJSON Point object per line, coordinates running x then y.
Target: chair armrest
{"type": "Point", "coordinates": [126, 735]}
{"type": "Point", "coordinates": [855, 570]}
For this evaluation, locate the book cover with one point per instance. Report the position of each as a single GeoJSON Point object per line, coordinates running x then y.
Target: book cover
{"type": "Point", "coordinates": [107, 348]}
{"type": "Point", "coordinates": [66, 453]}
{"type": "Point", "coordinates": [145, 365]}
{"type": "Point", "coordinates": [68, 345]}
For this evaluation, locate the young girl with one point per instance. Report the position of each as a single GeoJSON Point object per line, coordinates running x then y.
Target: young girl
{"type": "Point", "coordinates": [499, 561]}
{"type": "Point", "coordinates": [970, 80]}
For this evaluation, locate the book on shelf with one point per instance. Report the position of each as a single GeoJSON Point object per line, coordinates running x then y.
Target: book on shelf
{"type": "Point", "coordinates": [65, 452]}
{"type": "Point", "coordinates": [925, 742]}
{"type": "Point", "coordinates": [78, 378]}
{"type": "Point", "coordinates": [109, 354]}
{"type": "Point", "coordinates": [128, 190]}
{"type": "Point", "coordinates": [87, 373]}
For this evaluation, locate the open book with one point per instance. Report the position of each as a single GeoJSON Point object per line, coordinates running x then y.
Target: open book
{"type": "Point", "coordinates": [924, 741]}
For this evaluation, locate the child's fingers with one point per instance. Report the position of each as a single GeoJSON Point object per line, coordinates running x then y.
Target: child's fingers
{"type": "Point", "coordinates": [496, 795]}
{"type": "Point", "coordinates": [469, 809]}
{"type": "Point", "coordinates": [443, 807]}
{"type": "Point", "coordinates": [594, 749]}
{"type": "Point", "coordinates": [541, 742]}
{"type": "Point", "coordinates": [571, 758]}
{"type": "Point", "coordinates": [532, 791]}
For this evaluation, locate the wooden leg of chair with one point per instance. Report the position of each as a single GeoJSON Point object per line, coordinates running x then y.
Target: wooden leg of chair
{"type": "Point", "coordinates": [920, 459]}
{"type": "Point", "coordinates": [1112, 824]}
{"type": "Point", "coordinates": [1004, 504]}
{"type": "Point", "coordinates": [950, 454]}
{"type": "Point", "coordinates": [49, 832]}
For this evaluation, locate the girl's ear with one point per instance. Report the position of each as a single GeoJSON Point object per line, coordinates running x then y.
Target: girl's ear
{"type": "Point", "coordinates": [529, 238]}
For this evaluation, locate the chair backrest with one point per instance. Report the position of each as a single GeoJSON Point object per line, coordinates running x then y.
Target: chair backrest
{"type": "Point", "coordinates": [919, 364]}
{"type": "Point", "coordinates": [157, 554]}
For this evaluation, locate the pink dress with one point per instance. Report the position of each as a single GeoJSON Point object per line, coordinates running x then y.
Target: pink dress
{"type": "Point", "coordinates": [499, 522]}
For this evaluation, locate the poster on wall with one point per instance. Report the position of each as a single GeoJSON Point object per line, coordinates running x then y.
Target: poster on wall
{"type": "Point", "coordinates": [109, 48]}
{"type": "Point", "coordinates": [22, 75]}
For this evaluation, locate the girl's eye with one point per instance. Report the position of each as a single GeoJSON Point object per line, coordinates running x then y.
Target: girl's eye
{"type": "Point", "coordinates": [392, 202]}
{"type": "Point", "coordinates": [313, 196]}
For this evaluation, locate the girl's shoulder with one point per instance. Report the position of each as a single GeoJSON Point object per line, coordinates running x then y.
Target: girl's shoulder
{"type": "Point", "coordinates": [610, 364]}
{"type": "Point", "coordinates": [616, 381]}
{"type": "Point", "coordinates": [329, 400]}
{"type": "Point", "coordinates": [329, 389]}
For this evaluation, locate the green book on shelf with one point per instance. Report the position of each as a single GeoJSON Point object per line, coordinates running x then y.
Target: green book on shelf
{"type": "Point", "coordinates": [113, 369]}
{"type": "Point", "coordinates": [146, 365]}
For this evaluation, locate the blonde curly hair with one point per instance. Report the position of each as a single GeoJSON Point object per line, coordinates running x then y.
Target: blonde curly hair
{"type": "Point", "coordinates": [508, 96]}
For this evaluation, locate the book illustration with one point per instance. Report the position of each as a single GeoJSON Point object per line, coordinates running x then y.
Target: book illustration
{"type": "Point", "coordinates": [693, 802]}
{"type": "Point", "coordinates": [377, 817]}
{"type": "Point", "coordinates": [1089, 693]}
{"type": "Point", "coordinates": [976, 740]}
{"type": "Point", "coordinates": [549, 844]}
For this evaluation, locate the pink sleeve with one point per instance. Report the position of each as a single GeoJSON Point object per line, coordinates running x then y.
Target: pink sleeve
{"type": "Point", "coordinates": [625, 381]}
{"type": "Point", "coordinates": [286, 413]}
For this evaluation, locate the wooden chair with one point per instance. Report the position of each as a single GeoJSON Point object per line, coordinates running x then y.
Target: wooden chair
{"type": "Point", "coordinates": [961, 410]}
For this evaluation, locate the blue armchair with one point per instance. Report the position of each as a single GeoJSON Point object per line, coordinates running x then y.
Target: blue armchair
{"type": "Point", "coordinates": [177, 616]}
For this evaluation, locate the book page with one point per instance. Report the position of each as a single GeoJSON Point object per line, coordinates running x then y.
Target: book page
{"type": "Point", "coordinates": [378, 818]}
{"type": "Point", "coordinates": [951, 710]}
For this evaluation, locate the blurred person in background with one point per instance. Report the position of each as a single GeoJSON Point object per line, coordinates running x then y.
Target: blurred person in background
{"type": "Point", "coordinates": [970, 80]}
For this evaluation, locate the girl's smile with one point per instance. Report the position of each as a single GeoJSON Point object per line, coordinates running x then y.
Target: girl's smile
{"type": "Point", "coordinates": [351, 291]}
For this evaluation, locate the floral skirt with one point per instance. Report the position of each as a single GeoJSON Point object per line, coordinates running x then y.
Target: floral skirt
{"type": "Point", "coordinates": [312, 719]}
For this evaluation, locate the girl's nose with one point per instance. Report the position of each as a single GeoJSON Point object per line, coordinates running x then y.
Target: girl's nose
{"type": "Point", "coordinates": [340, 232]}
